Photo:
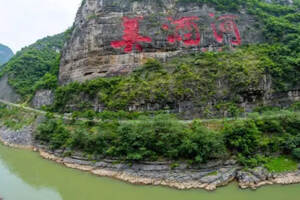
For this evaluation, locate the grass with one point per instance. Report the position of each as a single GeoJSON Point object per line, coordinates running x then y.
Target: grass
{"type": "Point", "coordinates": [215, 173]}
{"type": "Point", "coordinates": [281, 164]}
{"type": "Point", "coordinates": [15, 118]}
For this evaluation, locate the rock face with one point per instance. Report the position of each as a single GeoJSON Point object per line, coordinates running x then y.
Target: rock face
{"type": "Point", "coordinates": [42, 98]}
{"type": "Point", "coordinates": [151, 173]}
{"type": "Point", "coordinates": [17, 138]}
{"type": "Point", "coordinates": [183, 176]}
{"type": "Point", "coordinates": [113, 37]}
{"type": "Point", "coordinates": [7, 93]}
{"type": "Point", "coordinates": [257, 177]}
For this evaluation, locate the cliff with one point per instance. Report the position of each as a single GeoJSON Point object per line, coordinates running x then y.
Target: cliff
{"type": "Point", "coordinates": [215, 57]}
{"type": "Point", "coordinates": [7, 93]}
{"type": "Point", "coordinates": [113, 37]}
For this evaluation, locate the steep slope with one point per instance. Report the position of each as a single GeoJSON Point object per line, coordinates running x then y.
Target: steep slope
{"type": "Point", "coordinates": [7, 93]}
{"type": "Point", "coordinates": [5, 54]}
{"type": "Point", "coordinates": [113, 37]}
{"type": "Point", "coordinates": [213, 57]}
{"type": "Point", "coordinates": [31, 64]}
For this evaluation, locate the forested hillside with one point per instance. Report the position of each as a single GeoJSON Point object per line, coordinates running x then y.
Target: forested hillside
{"type": "Point", "coordinates": [37, 62]}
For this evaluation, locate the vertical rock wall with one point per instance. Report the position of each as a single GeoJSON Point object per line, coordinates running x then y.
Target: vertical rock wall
{"type": "Point", "coordinates": [112, 37]}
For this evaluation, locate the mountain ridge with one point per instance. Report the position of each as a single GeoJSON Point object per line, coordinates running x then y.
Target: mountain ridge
{"type": "Point", "coordinates": [5, 54]}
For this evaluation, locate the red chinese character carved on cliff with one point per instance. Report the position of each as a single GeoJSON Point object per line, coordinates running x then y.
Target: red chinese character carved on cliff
{"type": "Point", "coordinates": [186, 30]}
{"type": "Point", "coordinates": [226, 26]}
{"type": "Point", "coordinates": [131, 37]}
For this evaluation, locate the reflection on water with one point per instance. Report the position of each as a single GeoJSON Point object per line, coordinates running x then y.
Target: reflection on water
{"type": "Point", "coordinates": [25, 176]}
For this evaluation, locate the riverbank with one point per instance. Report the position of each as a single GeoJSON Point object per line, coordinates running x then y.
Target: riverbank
{"type": "Point", "coordinates": [152, 173]}
{"type": "Point", "coordinates": [180, 175]}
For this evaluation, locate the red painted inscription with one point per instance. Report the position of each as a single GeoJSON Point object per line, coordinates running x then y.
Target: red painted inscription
{"type": "Point", "coordinates": [227, 25]}
{"type": "Point", "coordinates": [131, 36]}
{"type": "Point", "coordinates": [186, 30]}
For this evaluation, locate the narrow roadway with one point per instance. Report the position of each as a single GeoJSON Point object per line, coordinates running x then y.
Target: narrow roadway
{"type": "Point", "coordinates": [121, 121]}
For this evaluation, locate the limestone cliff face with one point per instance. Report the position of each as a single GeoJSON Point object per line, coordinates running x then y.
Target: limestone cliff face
{"type": "Point", "coordinates": [7, 93]}
{"type": "Point", "coordinates": [42, 98]}
{"type": "Point", "coordinates": [113, 37]}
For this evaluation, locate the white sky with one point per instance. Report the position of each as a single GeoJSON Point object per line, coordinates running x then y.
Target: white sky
{"type": "Point", "coordinates": [22, 22]}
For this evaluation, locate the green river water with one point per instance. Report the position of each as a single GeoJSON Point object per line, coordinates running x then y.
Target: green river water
{"type": "Point", "coordinates": [25, 176]}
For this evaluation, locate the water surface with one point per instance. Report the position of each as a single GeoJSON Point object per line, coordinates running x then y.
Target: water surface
{"type": "Point", "coordinates": [25, 176]}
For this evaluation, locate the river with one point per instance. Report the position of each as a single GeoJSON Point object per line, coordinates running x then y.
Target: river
{"type": "Point", "coordinates": [26, 176]}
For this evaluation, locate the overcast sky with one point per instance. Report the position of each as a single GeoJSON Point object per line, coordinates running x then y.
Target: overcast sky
{"type": "Point", "coordinates": [22, 22]}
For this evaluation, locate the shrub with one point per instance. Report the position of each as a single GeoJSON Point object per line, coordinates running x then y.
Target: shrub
{"type": "Point", "coordinates": [242, 137]}
{"type": "Point", "coordinates": [202, 145]}
{"type": "Point", "coordinates": [291, 142]}
{"type": "Point", "coordinates": [269, 126]}
{"type": "Point", "coordinates": [164, 137]}
{"type": "Point", "coordinates": [53, 132]}
{"type": "Point", "coordinates": [151, 139]}
{"type": "Point", "coordinates": [295, 106]}
{"type": "Point", "coordinates": [252, 162]}
{"type": "Point", "coordinates": [296, 153]}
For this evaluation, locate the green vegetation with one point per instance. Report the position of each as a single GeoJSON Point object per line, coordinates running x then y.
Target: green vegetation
{"type": "Point", "coordinates": [194, 78]}
{"type": "Point", "coordinates": [254, 141]}
{"type": "Point", "coordinates": [236, 5]}
{"type": "Point", "coordinates": [227, 5]}
{"type": "Point", "coordinates": [215, 173]}
{"type": "Point", "coordinates": [281, 29]}
{"type": "Point", "coordinates": [15, 118]}
{"type": "Point", "coordinates": [296, 153]}
{"type": "Point", "coordinates": [199, 78]}
{"type": "Point", "coordinates": [214, 82]}
{"type": "Point", "coordinates": [119, 115]}
{"type": "Point", "coordinates": [281, 164]}
{"type": "Point", "coordinates": [35, 64]}
{"type": "Point", "coordinates": [158, 138]}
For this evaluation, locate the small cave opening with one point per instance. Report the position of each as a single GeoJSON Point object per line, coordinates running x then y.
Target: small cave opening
{"type": "Point", "coordinates": [102, 72]}
{"type": "Point", "coordinates": [88, 73]}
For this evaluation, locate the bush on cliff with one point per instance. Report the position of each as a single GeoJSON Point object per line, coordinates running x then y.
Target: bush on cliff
{"type": "Point", "coordinates": [53, 133]}
{"type": "Point", "coordinates": [192, 78]}
{"type": "Point", "coordinates": [242, 137]}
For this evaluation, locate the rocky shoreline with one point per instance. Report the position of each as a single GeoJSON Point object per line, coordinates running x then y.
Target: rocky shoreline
{"type": "Point", "coordinates": [17, 138]}
{"type": "Point", "coordinates": [154, 173]}
{"type": "Point", "coordinates": [179, 175]}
